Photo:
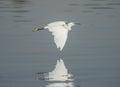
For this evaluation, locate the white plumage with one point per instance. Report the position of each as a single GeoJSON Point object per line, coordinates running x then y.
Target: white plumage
{"type": "Point", "coordinates": [59, 30]}
{"type": "Point", "coordinates": [60, 34]}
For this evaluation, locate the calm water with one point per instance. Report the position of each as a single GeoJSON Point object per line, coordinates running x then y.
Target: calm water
{"type": "Point", "coordinates": [91, 54]}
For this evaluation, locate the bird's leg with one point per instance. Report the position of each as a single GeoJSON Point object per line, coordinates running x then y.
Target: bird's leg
{"type": "Point", "coordinates": [37, 29]}
{"type": "Point", "coordinates": [40, 28]}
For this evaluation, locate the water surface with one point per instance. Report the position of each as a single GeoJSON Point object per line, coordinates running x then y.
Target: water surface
{"type": "Point", "coordinates": [91, 54]}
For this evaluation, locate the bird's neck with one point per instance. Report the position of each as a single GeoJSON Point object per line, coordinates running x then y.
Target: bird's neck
{"type": "Point", "coordinates": [69, 27]}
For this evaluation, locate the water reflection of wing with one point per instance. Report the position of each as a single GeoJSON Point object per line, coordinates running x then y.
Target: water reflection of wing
{"type": "Point", "coordinates": [61, 84]}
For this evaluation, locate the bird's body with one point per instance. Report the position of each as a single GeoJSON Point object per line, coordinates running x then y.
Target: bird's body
{"type": "Point", "coordinates": [59, 30]}
{"type": "Point", "coordinates": [61, 24]}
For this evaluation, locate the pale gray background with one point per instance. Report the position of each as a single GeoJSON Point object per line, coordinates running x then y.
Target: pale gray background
{"type": "Point", "coordinates": [92, 51]}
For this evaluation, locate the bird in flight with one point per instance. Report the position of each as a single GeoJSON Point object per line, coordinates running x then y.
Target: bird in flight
{"type": "Point", "coordinates": [59, 30]}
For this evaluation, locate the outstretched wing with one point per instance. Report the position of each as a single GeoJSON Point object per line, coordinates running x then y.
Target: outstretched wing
{"type": "Point", "coordinates": [60, 35]}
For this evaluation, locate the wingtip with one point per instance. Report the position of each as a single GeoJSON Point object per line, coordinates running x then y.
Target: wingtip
{"type": "Point", "coordinates": [60, 49]}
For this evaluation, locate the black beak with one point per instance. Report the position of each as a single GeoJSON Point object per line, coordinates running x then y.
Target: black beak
{"type": "Point", "coordinates": [77, 23]}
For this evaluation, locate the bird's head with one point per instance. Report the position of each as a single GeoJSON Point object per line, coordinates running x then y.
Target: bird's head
{"type": "Point", "coordinates": [70, 24]}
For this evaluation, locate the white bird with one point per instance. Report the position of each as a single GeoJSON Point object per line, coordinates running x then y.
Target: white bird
{"type": "Point", "coordinates": [59, 30]}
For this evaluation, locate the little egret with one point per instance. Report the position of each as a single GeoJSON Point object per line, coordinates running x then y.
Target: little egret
{"type": "Point", "coordinates": [59, 30]}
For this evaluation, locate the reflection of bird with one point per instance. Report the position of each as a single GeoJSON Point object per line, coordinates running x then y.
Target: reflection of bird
{"type": "Point", "coordinates": [59, 30]}
{"type": "Point", "coordinates": [59, 73]}
{"type": "Point", "coordinates": [61, 84]}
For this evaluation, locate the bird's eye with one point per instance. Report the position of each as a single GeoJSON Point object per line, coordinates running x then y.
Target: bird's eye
{"type": "Point", "coordinates": [66, 23]}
